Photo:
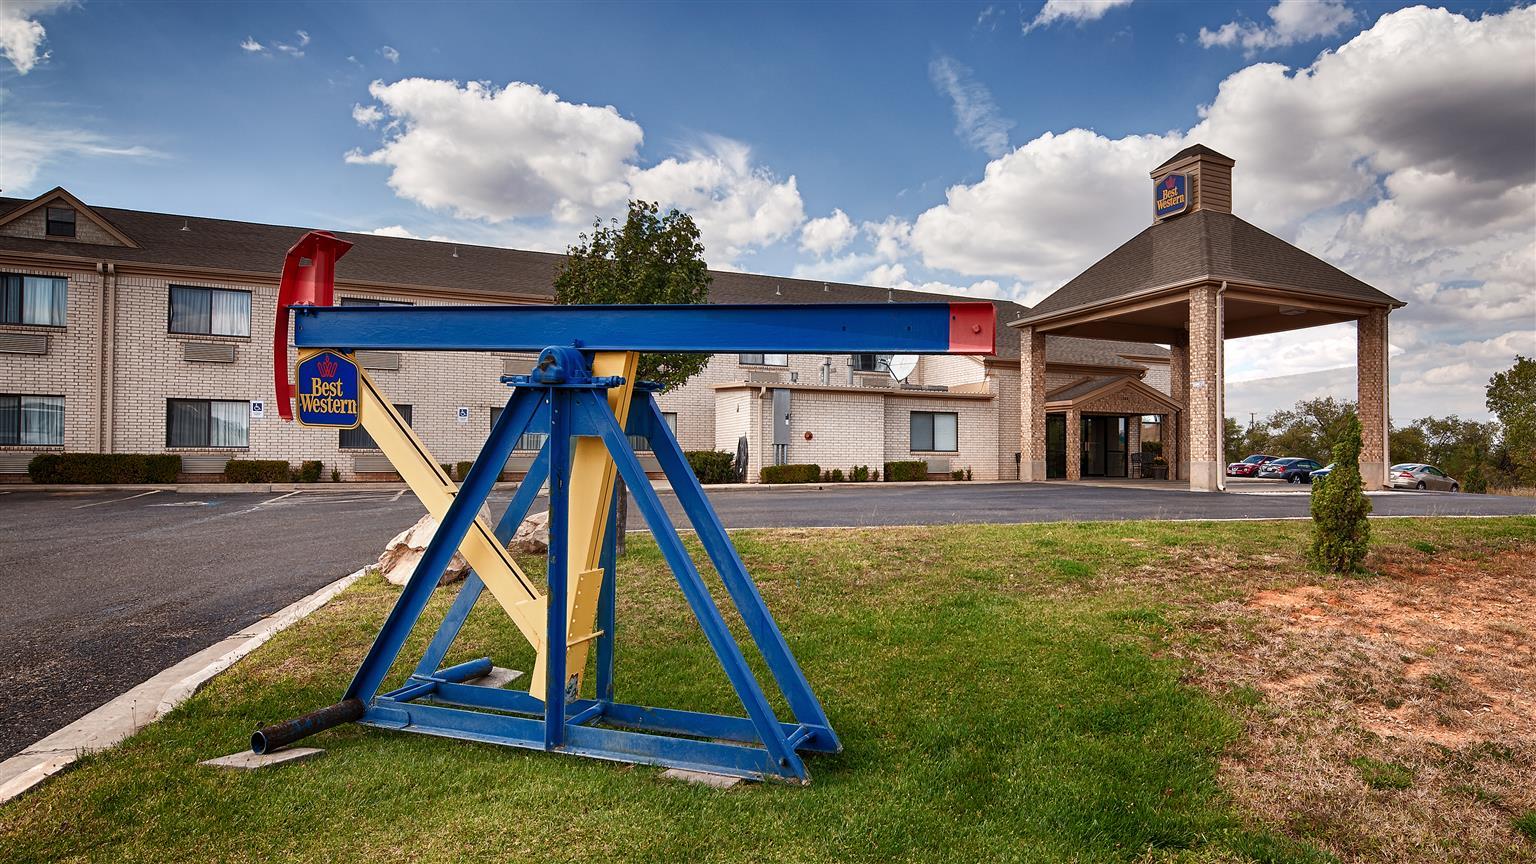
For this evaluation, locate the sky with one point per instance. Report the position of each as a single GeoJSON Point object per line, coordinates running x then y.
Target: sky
{"type": "Point", "coordinates": [984, 150]}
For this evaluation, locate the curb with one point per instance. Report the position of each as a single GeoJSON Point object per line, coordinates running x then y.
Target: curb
{"type": "Point", "coordinates": [153, 699]}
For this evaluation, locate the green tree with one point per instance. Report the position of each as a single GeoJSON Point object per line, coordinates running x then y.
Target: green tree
{"type": "Point", "coordinates": [1511, 396]}
{"type": "Point", "coordinates": [1311, 428]}
{"type": "Point", "coordinates": [1341, 532]}
{"type": "Point", "coordinates": [1407, 444]}
{"type": "Point", "coordinates": [650, 258]}
{"type": "Point", "coordinates": [1457, 446]}
{"type": "Point", "coordinates": [1232, 440]}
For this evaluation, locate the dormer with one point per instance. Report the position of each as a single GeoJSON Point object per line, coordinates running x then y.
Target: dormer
{"type": "Point", "coordinates": [1196, 178]}
{"type": "Point", "coordinates": [60, 217]}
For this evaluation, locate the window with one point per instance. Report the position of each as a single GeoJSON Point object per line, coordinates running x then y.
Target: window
{"type": "Point", "coordinates": [765, 359]}
{"type": "Point", "coordinates": [210, 311]}
{"type": "Point", "coordinates": [37, 421]}
{"type": "Point", "coordinates": [357, 438]}
{"type": "Point", "coordinates": [207, 423]}
{"type": "Point", "coordinates": [528, 441]}
{"type": "Point", "coordinates": [363, 301]}
{"type": "Point", "coordinates": [935, 430]}
{"type": "Point", "coordinates": [61, 221]}
{"type": "Point", "coordinates": [33, 300]}
{"type": "Point", "coordinates": [671, 418]}
{"type": "Point", "coordinates": [871, 362]}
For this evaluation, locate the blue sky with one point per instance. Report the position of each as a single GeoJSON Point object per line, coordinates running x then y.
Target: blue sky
{"type": "Point", "coordinates": [949, 124]}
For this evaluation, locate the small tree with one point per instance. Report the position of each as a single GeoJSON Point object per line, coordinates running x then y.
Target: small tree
{"type": "Point", "coordinates": [1340, 531]}
{"type": "Point", "coordinates": [651, 258]}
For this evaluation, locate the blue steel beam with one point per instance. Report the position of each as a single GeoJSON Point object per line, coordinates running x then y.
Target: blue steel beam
{"type": "Point", "coordinates": [839, 328]}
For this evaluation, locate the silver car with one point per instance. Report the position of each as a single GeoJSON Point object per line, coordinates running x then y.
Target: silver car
{"type": "Point", "coordinates": [1413, 475]}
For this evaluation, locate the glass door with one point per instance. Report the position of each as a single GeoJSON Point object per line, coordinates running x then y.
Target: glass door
{"type": "Point", "coordinates": [1116, 436]}
{"type": "Point", "coordinates": [1055, 446]}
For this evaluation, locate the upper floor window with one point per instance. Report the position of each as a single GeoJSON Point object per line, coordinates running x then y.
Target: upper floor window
{"type": "Point", "coordinates": [367, 301]}
{"type": "Point", "coordinates": [357, 438]}
{"type": "Point", "coordinates": [210, 311]}
{"type": "Point", "coordinates": [765, 359]}
{"type": "Point", "coordinates": [61, 221]}
{"type": "Point", "coordinates": [32, 420]}
{"type": "Point", "coordinates": [207, 423]}
{"type": "Point", "coordinates": [871, 362]}
{"type": "Point", "coordinates": [936, 430]}
{"type": "Point", "coordinates": [33, 300]}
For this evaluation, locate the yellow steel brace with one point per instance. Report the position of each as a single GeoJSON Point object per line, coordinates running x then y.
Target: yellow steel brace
{"type": "Point", "coordinates": [591, 487]}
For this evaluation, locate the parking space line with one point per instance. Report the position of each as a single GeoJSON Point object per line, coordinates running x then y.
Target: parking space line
{"type": "Point", "coordinates": [278, 498]}
{"type": "Point", "coordinates": [114, 500]}
{"type": "Point", "coordinates": [397, 496]}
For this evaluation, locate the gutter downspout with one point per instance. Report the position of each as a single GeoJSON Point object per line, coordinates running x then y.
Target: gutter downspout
{"type": "Point", "coordinates": [107, 279]}
{"type": "Point", "coordinates": [1221, 387]}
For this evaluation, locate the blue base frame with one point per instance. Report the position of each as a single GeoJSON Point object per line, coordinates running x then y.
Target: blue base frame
{"type": "Point", "coordinates": [563, 399]}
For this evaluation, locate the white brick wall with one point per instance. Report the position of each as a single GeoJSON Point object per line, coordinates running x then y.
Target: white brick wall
{"type": "Point", "coordinates": [71, 368]}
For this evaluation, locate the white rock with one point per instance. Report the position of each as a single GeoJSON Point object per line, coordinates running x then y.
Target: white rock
{"type": "Point", "coordinates": [532, 537]}
{"type": "Point", "coordinates": [404, 552]}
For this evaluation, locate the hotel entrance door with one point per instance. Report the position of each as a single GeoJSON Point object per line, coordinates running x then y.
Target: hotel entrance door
{"type": "Point", "coordinates": [1104, 446]}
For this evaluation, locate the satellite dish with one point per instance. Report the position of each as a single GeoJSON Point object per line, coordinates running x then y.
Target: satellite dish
{"type": "Point", "coordinates": [902, 366]}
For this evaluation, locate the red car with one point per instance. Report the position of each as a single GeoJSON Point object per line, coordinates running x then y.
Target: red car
{"type": "Point", "coordinates": [1249, 467]}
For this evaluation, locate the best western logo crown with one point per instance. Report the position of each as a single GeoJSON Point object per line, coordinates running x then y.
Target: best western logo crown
{"type": "Point", "coordinates": [327, 366]}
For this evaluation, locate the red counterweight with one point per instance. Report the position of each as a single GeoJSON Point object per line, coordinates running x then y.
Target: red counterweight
{"type": "Point", "coordinates": [309, 279]}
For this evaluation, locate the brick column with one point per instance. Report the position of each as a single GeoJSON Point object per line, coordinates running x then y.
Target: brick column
{"type": "Point", "coordinates": [1176, 431]}
{"type": "Point", "coordinates": [1375, 422]}
{"type": "Point", "coordinates": [1205, 385]}
{"type": "Point", "coordinates": [1031, 405]}
{"type": "Point", "coordinates": [1133, 446]}
{"type": "Point", "coordinates": [1074, 444]}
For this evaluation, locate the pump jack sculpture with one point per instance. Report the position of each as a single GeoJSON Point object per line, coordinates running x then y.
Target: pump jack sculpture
{"type": "Point", "coordinates": [582, 393]}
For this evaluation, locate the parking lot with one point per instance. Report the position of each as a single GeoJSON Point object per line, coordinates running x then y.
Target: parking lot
{"type": "Point", "coordinates": [104, 589]}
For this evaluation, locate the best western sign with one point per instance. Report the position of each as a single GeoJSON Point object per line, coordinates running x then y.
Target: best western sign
{"type": "Point", "coordinates": [1170, 195]}
{"type": "Point", "coordinates": [327, 384]}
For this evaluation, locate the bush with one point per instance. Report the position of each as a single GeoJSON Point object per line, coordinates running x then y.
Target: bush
{"type": "Point", "coordinates": [859, 474]}
{"type": "Point", "coordinates": [967, 472]}
{"type": "Point", "coordinates": [257, 471]}
{"type": "Point", "coordinates": [309, 471]}
{"type": "Point", "coordinates": [912, 469]}
{"type": "Point", "coordinates": [335, 475]}
{"type": "Point", "coordinates": [1340, 531]}
{"type": "Point", "coordinates": [957, 474]}
{"type": "Point", "coordinates": [1152, 448]}
{"type": "Point", "coordinates": [447, 469]}
{"type": "Point", "coordinates": [104, 468]}
{"type": "Point", "coordinates": [712, 466]}
{"type": "Point", "coordinates": [461, 470]}
{"type": "Point", "coordinates": [1475, 481]}
{"type": "Point", "coordinates": [790, 473]}
{"type": "Point", "coordinates": [837, 475]}
{"type": "Point", "coordinates": [875, 475]}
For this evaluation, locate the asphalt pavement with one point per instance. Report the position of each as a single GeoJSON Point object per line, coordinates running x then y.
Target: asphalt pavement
{"type": "Point", "coordinates": [104, 589]}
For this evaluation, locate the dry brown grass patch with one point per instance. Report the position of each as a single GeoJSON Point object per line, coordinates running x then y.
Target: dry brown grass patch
{"type": "Point", "coordinates": [1394, 716]}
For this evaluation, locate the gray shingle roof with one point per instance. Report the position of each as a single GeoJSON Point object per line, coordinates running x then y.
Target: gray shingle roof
{"type": "Point", "coordinates": [1192, 150]}
{"type": "Point", "coordinates": [1082, 388]}
{"type": "Point", "coordinates": [1206, 245]}
{"type": "Point", "coordinates": [223, 244]}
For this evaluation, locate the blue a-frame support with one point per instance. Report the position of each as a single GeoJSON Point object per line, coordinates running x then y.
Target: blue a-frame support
{"type": "Point", "coordinates": [570, 404]}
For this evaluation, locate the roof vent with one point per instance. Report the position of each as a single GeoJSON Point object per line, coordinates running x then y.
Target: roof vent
{"type": "Point", "coordinates": [455, 251]}
{"type": "Point", "coordinates": [185, 226]}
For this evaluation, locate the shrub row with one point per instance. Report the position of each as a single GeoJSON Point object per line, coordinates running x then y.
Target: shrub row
{"type": "Point", "coordinates": [103, 468]}
{"type": "Point", "coordinates": [309, 471]}
{"type": "Point", "coordinates": [257, 471]}
{"type": "Point", "coordinates": [913, 469]}
{"type": "Point", "coordinates": [856, 474]}
{"type": "Point", "coordinates": [712, 466]}
{"type": "Point", "coordinates": [790, 473]}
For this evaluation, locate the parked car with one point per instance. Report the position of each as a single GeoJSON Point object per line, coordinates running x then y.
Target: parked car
{"type": "Point", "coordinates": [1321, 474]}
{"type": "Point", "coordinates": [1291, 469]}
{"type": "Point", "coordinates": [1248, 467]}
{"type": "Point", "coordinates": [1414, 475]}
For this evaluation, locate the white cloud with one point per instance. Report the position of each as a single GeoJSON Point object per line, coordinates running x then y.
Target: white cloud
{"type": "Point", "coordinates": [977, 120]}
{"type": "Point", "coordinates": [1294, 21]}
{"type": "Point", "coordinates": [1077, 11]}
{"type": "Point", "coordinates": [367, 115]}
{"type": "Point", "coordinates": [389, 54]}
{"type": "Point", "coordinates": [827, 235]}
{"type": "Point", "coordinates": [303, 38]}
{"type": "Point", "coordinates": [892, 237]}
{"type": "Point", "coordinates": [30, 149]}
{"type": "Point", "coordinates": [394, 231]}
{"type": "Point", "coordinates": [251, 46]}
{"type": "Point", "coordinates": [21, 35]}
{"type": "Point", "coordinates": [737, 204]}
{"type": "Point", "coordinates": [521, 152]}
{"type": "Point", "coordinates": [1410, 169]}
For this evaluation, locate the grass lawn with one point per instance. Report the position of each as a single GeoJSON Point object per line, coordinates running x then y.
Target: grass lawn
{"type": "Point", "coordinates": [1071, 692]}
